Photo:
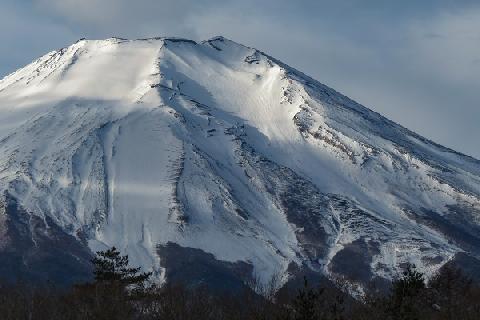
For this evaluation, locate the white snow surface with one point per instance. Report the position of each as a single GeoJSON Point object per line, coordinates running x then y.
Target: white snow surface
{"type": "Point", "coordinates": [137, 143]}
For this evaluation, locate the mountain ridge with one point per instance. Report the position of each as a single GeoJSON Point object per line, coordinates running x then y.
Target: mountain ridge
{"type": "Point", "coordinates": [218, 147]}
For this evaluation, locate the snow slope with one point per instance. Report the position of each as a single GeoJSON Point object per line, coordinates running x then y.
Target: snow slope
{"type": "Point", "coordinates": [220, 147]}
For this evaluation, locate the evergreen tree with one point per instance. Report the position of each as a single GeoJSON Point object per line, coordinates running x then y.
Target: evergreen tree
{"type": "Point", "coordinates": [406, 299]}
{"type": "Point", "coordinates": [111, 267]}
{"type": "Point", "coordinates": [410, 284]}
{"type": "Point", "coordinates": [450, 292]}
{"type": "Point", "coordinates": [305, 303]}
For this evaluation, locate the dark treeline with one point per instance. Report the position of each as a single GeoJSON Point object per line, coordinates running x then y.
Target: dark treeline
{"type": "Point", "coordinates": [121, 292]}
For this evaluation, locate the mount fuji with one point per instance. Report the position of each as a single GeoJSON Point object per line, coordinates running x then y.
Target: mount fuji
{"type": "Point", "coordinates": [214, 161]}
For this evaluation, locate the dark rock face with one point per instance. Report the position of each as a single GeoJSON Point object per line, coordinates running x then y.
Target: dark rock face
{"type": "Point", "coordinates": [37, 250]}
{"type": "Point", "coordinates": [454, 226]}
{"type": "Point", "coordinates": [469, 265]}
{"type": "Point", "coordinates": [354, 261]}
{"type": "Point", "coordinates": [194, 267]}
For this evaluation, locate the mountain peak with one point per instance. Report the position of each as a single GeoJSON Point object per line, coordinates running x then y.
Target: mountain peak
{"type": "Point", "coordinates": [168, 148]}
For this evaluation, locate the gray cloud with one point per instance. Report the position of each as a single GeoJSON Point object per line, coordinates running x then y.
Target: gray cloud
{"type": "Point", "coordinates": [414, 61]}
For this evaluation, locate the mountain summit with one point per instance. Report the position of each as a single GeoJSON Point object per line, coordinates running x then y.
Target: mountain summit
{"type": "Point", "coordinates": [213, 161]}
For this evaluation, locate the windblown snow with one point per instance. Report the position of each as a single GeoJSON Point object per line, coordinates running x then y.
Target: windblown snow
{"type": "Point", "coordinates": [220, 147]}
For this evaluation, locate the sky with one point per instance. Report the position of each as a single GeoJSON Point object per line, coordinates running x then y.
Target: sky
{"type": "Point", "coordinates": [415, 62]}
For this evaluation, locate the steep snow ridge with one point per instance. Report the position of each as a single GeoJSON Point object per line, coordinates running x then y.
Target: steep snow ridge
{"type": "Point", "coordinates": [220, 147]}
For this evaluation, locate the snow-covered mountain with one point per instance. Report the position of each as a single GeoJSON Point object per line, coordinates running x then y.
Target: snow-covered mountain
{"type": "Point", "coordinates": [196, 158]}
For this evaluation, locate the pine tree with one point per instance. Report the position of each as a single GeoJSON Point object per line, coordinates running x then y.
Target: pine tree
{"type": "Point", "coordinates": [305, 303]}
{"type": "Point", "coordinates": [410, 284]}
{"type": "Point", "coordinates": [451, 292]}
{"type": "Point", "coordinates": [406, 299]}
{"type": "Point", "coordinates": [111, 267]}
